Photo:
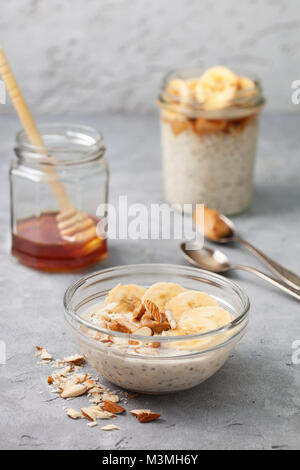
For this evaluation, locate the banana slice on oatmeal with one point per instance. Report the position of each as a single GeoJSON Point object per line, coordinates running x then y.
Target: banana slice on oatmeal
{"type": "Point", "coordinates": [209, 318]}
{"type": "Point", "coordinates": [162, 292]}
{"type": "Point", "coordinates": [218, 314]}
{"type": "Point", "coordinates": [189, 300]}
{"type": "Point", "coordinates": [125, 297]}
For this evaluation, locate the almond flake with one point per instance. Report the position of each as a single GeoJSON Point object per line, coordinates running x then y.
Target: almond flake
{"type": "Point", "coordinates": [138, 312]}
{"type": "Point", "coordinates": [144, 331]}
{"type": "Point", "coordinates": [155, 344]}
{"type": "Point", "coordinates": [136, 412]}
{"type": "Point", "coordinates": [94, 412]}
{"type": "Point", "coordinates": [75, 359]}
{"type": "Point", "coordinates": [170, 319]}
{"type": "Point", "coordinates": [110, 397]}
{"type": "Point", "coordinates": [92, 424]}
{"type": "Point", "coordinates": [110, 427]}
{"type": "Point", "coordinates": [153, 309]}
{"type": "Point", "coordinates": [113, 407]}
{"type": "Point", "coordinates": [122, 325]}
{"type": "Point", "coordinates": [157, 327]}
{"type": "Point", "coordinates": [145, 416]}
{"type": "Point", "coordinates": [45, 355]}
{"type": "Point", "coordinates": [73, 390]}
{"type": "Point", "coordinates": [73, 414]}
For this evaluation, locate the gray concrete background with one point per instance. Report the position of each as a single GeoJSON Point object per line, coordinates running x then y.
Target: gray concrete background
{"type": "Point", "coordinates": [110, 55]}
{"type": "Point", "coordinates": [252, 402]}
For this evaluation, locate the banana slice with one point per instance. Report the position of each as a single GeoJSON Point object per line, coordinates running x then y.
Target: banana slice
{"type": "Point", "coordinates": [192, 344]}
{"type": "Point", "coordinates": [245, 83]}
{"type": "Point", "coordinates": [192, 322]}
{"type": "Point", "coordinates": [217, 87]}
{"type": "Point", "coordinates": [196, 319]}
{"type": "Point", "coordinates": [178, 89]}
{"type": "Point", "coordinates": [188, 300]}
{"type": "Point", "coordinates": [126, 297]}
{"type": "Point", "coordinates": [161, 292]}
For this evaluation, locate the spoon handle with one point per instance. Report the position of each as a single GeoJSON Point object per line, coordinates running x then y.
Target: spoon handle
{"type": "Point", "coordinates": [287, 276]}
{"type": "Point", "coordinates": [275, 282]}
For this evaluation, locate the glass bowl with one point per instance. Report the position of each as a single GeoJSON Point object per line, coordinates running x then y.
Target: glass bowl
{"type": "Point", "coordinates": [168, 363]}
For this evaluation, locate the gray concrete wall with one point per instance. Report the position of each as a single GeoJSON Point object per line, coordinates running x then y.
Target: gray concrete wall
{"type": "Point", "coordinates": [92, 55]}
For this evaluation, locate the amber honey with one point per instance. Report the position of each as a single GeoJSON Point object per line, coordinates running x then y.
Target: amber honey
{"type": "Point", "coordinates": [38, 244]}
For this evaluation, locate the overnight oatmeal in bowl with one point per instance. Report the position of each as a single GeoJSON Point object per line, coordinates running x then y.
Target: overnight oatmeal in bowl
{"type": "Point", "coordinates": [156, 328]}
{"type": "Point", "coordinates": [209, 128]}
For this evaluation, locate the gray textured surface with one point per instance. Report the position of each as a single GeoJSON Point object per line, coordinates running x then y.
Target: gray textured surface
{"type": "Point", "coordinates": [253, 402]}
{"type": "Point", "coordinates": [111, 55]}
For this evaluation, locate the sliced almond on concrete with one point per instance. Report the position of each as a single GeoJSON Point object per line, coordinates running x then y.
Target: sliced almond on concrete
{"type": "Point", "coordinates": [94, 412]}
{"type": "Point", "coordinates": [145, 416]}
{"type": "Point", "coordinates": [43, 353]}
{"type": "Point", "coordinates": [92, 424]}
{"type": "Point", "coordinates": [110, 397]}
{"type": "Point", "coordinates": [73, 390]}
{"type": "Point", "coordinates": [75, 359]}
{"type": "Point", "coordinates": [113, 407]}
{"type": "Point", "coordinates": [110, 427]}
{"type": "Point", "coordinates": [73, 414]}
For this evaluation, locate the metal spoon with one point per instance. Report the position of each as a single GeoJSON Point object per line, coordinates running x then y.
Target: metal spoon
{"type": "Point", "coordinates": [216, 261]}
{"type": "Point", "coordinates": [287, 276]}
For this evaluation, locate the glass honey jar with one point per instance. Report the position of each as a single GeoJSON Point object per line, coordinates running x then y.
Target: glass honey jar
{"type": "Point", "coordinates": [55, 192]}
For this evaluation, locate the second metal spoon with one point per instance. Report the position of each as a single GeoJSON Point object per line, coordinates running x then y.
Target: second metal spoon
{"type": "Point", "coordinates": [216, 261]}
{"type": "Point", "coordinates": [286, 275]}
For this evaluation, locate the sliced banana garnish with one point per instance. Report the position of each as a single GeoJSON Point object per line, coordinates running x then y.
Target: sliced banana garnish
{"type": "Point", "coordinates": [217, 87]}
{"type": "Point", "coordinates": [188, 300]}
{"type": "Point", "coordinates": [178, 88]}
{"type": "Point", "coordinates": [161, 292]}
{"type": "Point", "coordinates": [219, 315]}
{"type": "Point", "coordinates": [126, 298]}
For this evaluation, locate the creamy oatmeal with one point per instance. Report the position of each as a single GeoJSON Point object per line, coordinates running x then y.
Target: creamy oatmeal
{"type": "Point", "coordinates": [209, 127]}
{"type": "Point", "coordinates": [143, 359]}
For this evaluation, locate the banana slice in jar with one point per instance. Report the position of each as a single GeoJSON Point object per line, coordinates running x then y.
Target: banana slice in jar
{"type": "Point", "coordinates": [126, 297]}
{"type": "Point", "coordinates": [217, 87]}
{"type": "Point", "coordinates": [161, 292]}
{"type": "Point", "coordinates": [188, 300]}
{"type": "Point", "coordinates": [178, 90]}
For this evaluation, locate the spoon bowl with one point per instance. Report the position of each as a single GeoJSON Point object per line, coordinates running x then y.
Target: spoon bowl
{"type": "Point", "coordinates": [211, 260]}
{"type": "Point", "coordinates": [287, 276]}
{"type": "Point", "coordinates": [216, 261]}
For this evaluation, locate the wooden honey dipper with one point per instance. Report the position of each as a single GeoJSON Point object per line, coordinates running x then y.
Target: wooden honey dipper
{"type": "Point", "coordinates": [74, 226]}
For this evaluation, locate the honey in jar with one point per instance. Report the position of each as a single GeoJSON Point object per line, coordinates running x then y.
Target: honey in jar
{"type": "Point", "coordinates": [75, 170]}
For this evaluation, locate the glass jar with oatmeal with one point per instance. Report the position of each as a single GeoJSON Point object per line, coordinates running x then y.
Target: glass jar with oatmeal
{"type": "Point", "coordinates": [209, 127]}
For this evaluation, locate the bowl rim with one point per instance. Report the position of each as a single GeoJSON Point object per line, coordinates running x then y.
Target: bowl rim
{"type": "Point", "coordinates": [199, 273]}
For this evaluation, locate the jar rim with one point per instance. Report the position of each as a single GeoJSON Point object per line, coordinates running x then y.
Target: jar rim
{"type": "Point", "coordinates": [237, 108]}
{"type": "Point", "coordinates": [66, 144]}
